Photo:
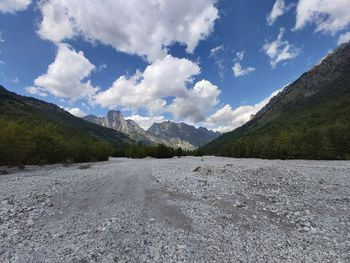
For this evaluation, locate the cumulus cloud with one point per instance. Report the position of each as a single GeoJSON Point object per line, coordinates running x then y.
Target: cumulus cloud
{"type": "Point", "coordinates": [66, 76]}
{"type": "Point", "coordinates": [279, 8]}
{"type": "Point", "coordinates": [343, 38]}
{"type": "Point", "coordinates": [145, 122]}
{"type": "Point", "coordinates": [197, 103]}
{"type": "Point", "coordinates": [280, 50]}
{"type": "Point", "coordinates": [163, 87]}
{"type": "Point", "coordinates": [56, 25]}
{"type": "Point", "coordinates": [163, 23]}
{"type": "Point", "coordinates": [12, 6]}
{"type": "Point", "coordinates": [328, 16]}
{"type": "Point", "coordinates": [227, 118]}
{"type": "Point", "coordinates": [238, 69]}
{"type": "Point", "coordinates": [76, 112]}
{"type": "Point", "coordinates": [164, 78]}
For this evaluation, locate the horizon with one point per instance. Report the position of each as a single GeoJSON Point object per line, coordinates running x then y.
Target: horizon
{"type": "Point", "coordinates": [195, 69]}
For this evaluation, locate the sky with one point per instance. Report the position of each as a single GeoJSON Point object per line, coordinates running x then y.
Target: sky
{"type": "Point", "coordinates": [210, 63]}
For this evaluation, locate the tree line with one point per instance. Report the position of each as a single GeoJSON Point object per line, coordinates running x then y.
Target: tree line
{"type": "Point", "coordinates": [24, 143]}
{"type": "Point", "coordinates": [160, 151]}
{"type": "Point", "coordinates": [330, 143]}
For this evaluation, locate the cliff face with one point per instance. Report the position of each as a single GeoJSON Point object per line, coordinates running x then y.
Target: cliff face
{"type": "Point", "coordinates": [182, 131]}
{"type": "Point", "coordinates": [116, 121]}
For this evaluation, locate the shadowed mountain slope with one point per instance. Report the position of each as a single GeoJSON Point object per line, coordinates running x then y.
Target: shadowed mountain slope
{"type": "Point", "coordinates": [43, 132]}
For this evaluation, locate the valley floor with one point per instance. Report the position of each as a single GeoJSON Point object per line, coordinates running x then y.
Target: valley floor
{"type": "Point", "coordinates": [177, 210]}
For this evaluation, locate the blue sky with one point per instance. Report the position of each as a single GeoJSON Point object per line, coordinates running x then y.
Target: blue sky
{"type": "Point", "coordinates": [206, 62]}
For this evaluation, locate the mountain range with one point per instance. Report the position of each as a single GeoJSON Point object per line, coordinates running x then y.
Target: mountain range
{"type": "Point", "coordinates": [175, 135]}
{"type": "Point", "coordinates": [309, 119]}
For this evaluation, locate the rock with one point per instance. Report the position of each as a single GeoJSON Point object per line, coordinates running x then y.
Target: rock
{"type": "Point", "coordinates": [313, 230]}
{"type": "Point", "coordinates": [238, 204]}
{"type": "Point", "coordinates": [197, 169]}
{"type": "Point", "coordinates": [30, 222]}
{"type": "Point", "coordinates": [306, 229]}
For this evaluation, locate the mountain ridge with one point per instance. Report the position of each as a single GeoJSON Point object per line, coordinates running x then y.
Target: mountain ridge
{"type": "Point", "coordinates": [115, 120]}
{"type": "Point", "coordinates": [194, 137]}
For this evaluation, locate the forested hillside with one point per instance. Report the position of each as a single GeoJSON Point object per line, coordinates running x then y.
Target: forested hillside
{"type": "Point", "coordinates": [36, 132]}
{"type": "Point", "coordinates": [309, 119]}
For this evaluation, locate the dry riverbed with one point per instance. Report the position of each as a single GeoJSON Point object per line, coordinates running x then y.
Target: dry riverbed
{"type": "Point", "coordinates": [177, 210]}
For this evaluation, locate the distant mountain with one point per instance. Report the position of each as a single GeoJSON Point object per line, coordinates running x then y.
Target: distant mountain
{"type": "Point", "coordinates": [169, 130]}
{"type": "Point", "coordinates": [33, 119]}
{"type": "Point", "coordinates": [115, 120]}
{"type": "Point", "coordinates": [309, 119]}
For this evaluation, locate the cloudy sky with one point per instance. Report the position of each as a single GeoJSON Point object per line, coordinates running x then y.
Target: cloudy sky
{"type": "Point", "coordinates": [212, 63]}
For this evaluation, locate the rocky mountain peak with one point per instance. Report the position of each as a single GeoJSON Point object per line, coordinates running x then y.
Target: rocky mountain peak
{"type": "Point", "coordinates": [182, 131]}
{"type": "Point", "coordinates": [115, 120]}
{"type": "Point", "coordinates": [113, 115]}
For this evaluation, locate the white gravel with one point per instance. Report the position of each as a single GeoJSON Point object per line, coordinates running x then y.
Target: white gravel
{"type": "Point", "coordinates": [177, 210]}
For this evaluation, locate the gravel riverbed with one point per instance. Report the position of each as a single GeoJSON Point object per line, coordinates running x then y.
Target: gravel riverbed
{"type": "Point", "coordinates": [188, 209]}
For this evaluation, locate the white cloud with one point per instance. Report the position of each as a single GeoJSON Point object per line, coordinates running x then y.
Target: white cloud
{"type": "Point", "coordinates": [76, 112]}
{"type": "Point", "coordinates": [328, 16]}
{"type": "Point", "coordinates": [237, 68]}
{"type": "Point", "coordinates": [164, 78]}
{"type": "Point", "coordinates": [66, 76]}
{"type": "Point", "coordinates": [197, 103]}
{"type": "Point", "coordinates": [216, 50]}
{"type": "Point", "coordinates": [280, 50]}
{"type": "Point", "coordinates": [239, 71]}
{"type": "Point", "coordinates": [145, 28]}
{"type": "Point", "coordinates": [12, 6]}
{"type": "Point", "coordinates": [227, 119]}
{"type": "Point", "coordinates": [163, 87]}
{"type": "Point", "coordinates": [219, 60]}
{"type": "Point", "coordinates": [279, 8]}
{"type": "Point", "coordinates": [101, 67]}
{"type": "Point", "coordinates": [240, 56]}
{"type": "Point", "coordinates": [343, 38]}
{"type": "Point", "coordinates": [145, 122]}
{"type": "Point", "coordinates": [56, 25]}
{"type": "Point", "coordinates": [35, 90]}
